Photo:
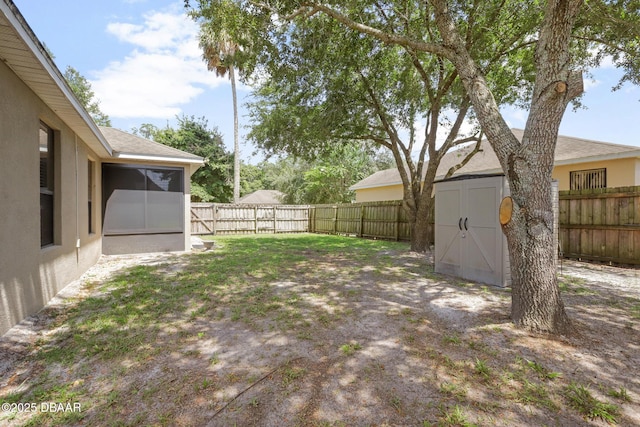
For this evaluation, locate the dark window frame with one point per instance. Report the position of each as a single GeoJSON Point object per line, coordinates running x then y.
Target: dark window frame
{"type": "Point", "coordinates": [588, 179]}
{"type": "Point", "coordinates": [46, 144]}
{"type": "Point", "coordinates": [91, 170]}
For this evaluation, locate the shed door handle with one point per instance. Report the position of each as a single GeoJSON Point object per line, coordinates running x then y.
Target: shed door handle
{"type": "Point", "coordinates": [465, 223]}
{"type": "Point", "coordinates": [460, 224]}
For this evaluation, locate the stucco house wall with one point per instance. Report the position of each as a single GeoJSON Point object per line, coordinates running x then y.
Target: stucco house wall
{"type": "Point", "coordinates": [30, 275]}
{"type": "Point", "coordinates": [620, 172]}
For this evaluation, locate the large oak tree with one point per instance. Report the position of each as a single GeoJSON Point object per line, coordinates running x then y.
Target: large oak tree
{"type": "Point", "coordinates": [562, 36]}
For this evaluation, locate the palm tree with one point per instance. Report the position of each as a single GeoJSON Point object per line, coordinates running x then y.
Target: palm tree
{"type": "Point", "coordinates": [219, 53]}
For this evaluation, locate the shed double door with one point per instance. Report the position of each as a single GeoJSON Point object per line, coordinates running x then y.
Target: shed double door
{"type": "Point", "coordinates": [469, 242]}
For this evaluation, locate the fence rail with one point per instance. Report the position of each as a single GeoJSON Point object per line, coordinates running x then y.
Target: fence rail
{"type": "Point", "coordinates": [601, 225]}
{"type": "Point", "coordinates": [217, 218]}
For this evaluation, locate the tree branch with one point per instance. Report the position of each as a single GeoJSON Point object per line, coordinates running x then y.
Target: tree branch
{"type": "Point", "coordinates": [484, 104]}
{"type": "Point", "coordinates": [400, 40]}
{"type": "Point", "coordinates": [468, 157]}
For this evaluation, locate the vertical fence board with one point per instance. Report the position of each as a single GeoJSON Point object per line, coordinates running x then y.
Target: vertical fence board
{"type": "Point", "coordinates": [602, 225]}
{"type": "Point", "coordinates": [207, 218]}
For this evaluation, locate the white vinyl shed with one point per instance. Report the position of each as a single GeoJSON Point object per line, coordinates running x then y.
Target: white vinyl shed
{"type": "Point", "coordinates": [469, 242]}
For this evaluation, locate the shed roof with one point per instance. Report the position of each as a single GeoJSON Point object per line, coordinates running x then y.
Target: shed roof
{"type": "Point", "coordinates": [569, 150]}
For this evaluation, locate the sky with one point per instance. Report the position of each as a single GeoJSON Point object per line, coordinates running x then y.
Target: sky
{"type": "Point", "coordinates": [144, 65]}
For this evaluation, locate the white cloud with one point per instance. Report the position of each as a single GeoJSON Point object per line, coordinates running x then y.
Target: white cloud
{"type": "Point", "coordinates": [163, 71]}
{"type": "Point", "coordinates": [591, 83]}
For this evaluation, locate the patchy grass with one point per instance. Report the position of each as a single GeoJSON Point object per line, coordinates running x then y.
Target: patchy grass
{"type": "Point", "coordinates": [574, 285]}
{"type": "Point", "coordinates": [579, 397]}
{"type": "Point", "coordinates": [278, 330]}
{"type": "Point", "coordinates": [350, 349]}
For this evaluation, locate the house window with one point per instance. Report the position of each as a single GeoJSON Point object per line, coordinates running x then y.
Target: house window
{"type": "Point", "coordinates": [47, 190]}
{"type": "Point", "coordinates": [142, 199]}
{"type": "Point", "coordinates": [588, 179]}
{"type": "Point", "coordinates": [91, 166]}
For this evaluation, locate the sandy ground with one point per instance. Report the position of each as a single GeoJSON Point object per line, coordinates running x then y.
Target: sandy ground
{"type": "Point", "coordinates": [411, 335]}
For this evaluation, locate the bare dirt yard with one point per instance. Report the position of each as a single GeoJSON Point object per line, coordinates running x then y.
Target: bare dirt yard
{"type": "Point", "coordinates": [310, 330]}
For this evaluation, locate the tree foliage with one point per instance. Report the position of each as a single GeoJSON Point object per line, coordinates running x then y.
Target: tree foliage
{"type": "Point", "coordinates": [212, 182]}
{"type": "Point", "coordinates": [324, 180]}
{"type": "Point", "coordinates": [82, 89]}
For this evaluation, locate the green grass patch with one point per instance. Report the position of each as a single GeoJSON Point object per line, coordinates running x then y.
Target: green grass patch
{"type": "Point", "coordinates": [267, 282]}
{"type": "Point", "coordinates": [350, 349]}
{"type": "Point", "coordinates": [573, 285]}
{"type": "Point", "coordinates": [620, 394]}
{"type": "Point", "coordinates": [454, 417]}
{"type": "Point", "coordinates": [579, 398]}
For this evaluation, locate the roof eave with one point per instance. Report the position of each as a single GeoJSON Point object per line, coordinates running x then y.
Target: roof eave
{"type": "Point", "coordinates": [63, 94]}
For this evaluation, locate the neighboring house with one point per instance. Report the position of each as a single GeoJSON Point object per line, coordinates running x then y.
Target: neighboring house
{"type": "Point", "coordinates": [579, 164]}
{"type": "Point", "coordinates": [262, 197]}
{"type": "Point", "coordinates": [69, 190]}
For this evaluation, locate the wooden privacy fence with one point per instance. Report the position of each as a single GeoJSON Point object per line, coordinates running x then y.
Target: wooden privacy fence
{"type": "Point", "coordinates": [217, 218]}
{"type": "Point", "coordinates": [382, 220]}
{"type": "Point", "coordinates": [601, 225]}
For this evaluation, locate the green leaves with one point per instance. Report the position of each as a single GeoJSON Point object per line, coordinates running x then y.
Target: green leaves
{"type": "Point", "coordinates": [82, 89]}
{"type": "Point", "coordinates": [212, 182]}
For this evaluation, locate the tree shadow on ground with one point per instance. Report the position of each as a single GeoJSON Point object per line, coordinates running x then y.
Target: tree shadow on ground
{"type": "Point", "coordinates": [316, 332]}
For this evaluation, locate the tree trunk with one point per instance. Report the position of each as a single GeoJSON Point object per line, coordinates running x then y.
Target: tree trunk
{"type": "Point", "coordinates": [421, 221]}
{"type": "Point", "coordinates": [420, 231]}
{"type": "Point", "coordinates": [536, 302]}
{"type": "Point", "coordinates": [535, 298]}
{"type": "Point", "coordinates": [236, 145]}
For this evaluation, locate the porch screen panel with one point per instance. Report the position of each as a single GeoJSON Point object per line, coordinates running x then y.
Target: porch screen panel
{"type": "Point", "coordinates": [141, 200]}
{"type": "Point", "coordinates": [164, 195]}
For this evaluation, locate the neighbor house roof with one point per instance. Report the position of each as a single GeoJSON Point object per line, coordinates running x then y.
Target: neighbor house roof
{"type": "Point", "coordinates": [21, 50]}
{"type": "Point", "coordinates": [569, 150]}
{"type": "Point", "coordinates": [132, 147]}
{"type": "Point", "coordinates": [263, 197]}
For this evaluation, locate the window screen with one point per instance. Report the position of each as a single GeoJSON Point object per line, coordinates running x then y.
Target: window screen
{"type": "Point", "coordinates": [142, 199]}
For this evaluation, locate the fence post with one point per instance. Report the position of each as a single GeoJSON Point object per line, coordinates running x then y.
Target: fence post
{"type": "Point", "coordinates": [275, 219]}
{"type": "Point", "coordinates": [361, 220]}
{"type": "Point", "coordinates": [255, 220]}
{"type": "Point", "coordinates": [397, 226]}
{"type": "Point", "coordinates": [215, 215]}
{"type": "Point", "coordinates": [335, 219]}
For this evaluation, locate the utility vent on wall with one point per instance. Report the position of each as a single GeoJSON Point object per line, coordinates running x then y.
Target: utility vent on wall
{"type": "Point", "coordinates": [469, 242]}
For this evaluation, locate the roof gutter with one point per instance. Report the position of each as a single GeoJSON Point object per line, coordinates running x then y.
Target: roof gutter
{"type": "Point", "coordinates": [29, 38]}
{"type": "Point", "coordinates": [132, 156]}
